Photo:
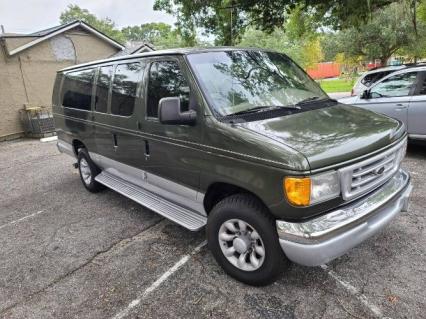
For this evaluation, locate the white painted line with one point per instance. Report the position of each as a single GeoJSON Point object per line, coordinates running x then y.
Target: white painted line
{"type": "Point", "coordinates": [20, 219]}
{"type": "Point", "coordinates": [353, 291]}
{"type": "Point", "coordinates": [49, 139]}
{"type": "Point", "coordinates": [123, 313]}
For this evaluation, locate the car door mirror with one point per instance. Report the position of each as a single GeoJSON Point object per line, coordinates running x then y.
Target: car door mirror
{"type": "Point", "coordinates": [170, 113]}
{"type": "Point", "coordinates": [365, 95]}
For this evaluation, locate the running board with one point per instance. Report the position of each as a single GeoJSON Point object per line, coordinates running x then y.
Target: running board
{"type": "Point", "coordinates": [180, 215]}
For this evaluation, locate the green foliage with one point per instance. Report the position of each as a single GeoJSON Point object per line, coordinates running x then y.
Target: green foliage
{"type": "Point", "coordinates": [337, 85]}
{"type": "Point", "coordinates": [214, 16]}
{"type": "Point", "coordinates": [107, 26]}
{"type": "Point", "coordinates": [149, 32]}
{"type": "Point", "coordinates": [389, 30]}
{"type": "Point", "coordinates": [305, 51]}
{"type": "Point", "coordinates": [161, 35]}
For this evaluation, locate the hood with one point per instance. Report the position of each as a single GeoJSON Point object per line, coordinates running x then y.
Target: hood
{"type": "Point", "coordinates": [349, 99]}
{"type": "Point", "coordinates": [331, 135]}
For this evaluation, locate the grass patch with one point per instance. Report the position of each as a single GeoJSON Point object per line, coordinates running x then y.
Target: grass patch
{"type": "Point", "coordinates": [338, 85]}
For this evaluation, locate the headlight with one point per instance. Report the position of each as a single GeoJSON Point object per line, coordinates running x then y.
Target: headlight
{"type": "Point", "coordinates": [305, 191]}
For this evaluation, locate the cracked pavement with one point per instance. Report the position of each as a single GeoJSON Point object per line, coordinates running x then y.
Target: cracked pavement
{"type": "Point", "coordinates": [67, 253]}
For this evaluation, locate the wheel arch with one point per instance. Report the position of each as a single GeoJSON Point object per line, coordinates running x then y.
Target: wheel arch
{"type": "Point", "coordinates": [76, 145]}
{"type": "Point", "coordinates": [220, 190]}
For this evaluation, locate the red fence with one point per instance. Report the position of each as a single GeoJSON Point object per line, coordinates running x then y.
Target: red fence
{"type": "Point", "coordinates": [324, 70]}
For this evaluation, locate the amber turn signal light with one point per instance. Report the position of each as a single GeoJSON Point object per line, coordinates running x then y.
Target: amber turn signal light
{"type": "Point", "coordinates": [298, 190]}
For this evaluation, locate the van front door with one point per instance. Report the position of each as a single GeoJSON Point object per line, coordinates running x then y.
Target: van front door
{"type": "Point", "coordinates": [171, 156]}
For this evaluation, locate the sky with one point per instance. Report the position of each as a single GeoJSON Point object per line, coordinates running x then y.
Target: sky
{"type": "Point", "coordinates": [26, 16]}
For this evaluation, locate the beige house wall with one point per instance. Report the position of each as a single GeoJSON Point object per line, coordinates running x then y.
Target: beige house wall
{"type": "Point", "coordinates": [28, 76]}
{"type": "Point", "coordinates": [13, 43]}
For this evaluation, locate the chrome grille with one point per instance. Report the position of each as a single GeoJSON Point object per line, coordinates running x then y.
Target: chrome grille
{"type": "Point", "coordinates": [364, 176]}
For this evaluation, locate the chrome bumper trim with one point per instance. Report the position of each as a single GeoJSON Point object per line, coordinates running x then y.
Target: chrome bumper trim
{"type": "Point", "coordinates": [329, 236]}
{"type": "Point", "coordinates": [65, 147]}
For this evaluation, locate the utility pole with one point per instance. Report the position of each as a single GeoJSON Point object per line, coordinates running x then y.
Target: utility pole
{"type": "Point", "coordinates": [2, 29]}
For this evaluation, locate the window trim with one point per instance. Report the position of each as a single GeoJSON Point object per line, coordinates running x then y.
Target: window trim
{"type": "Point", "coordinates": [109, 88]}
{"type": "Point", "coordinates": [150, 62]}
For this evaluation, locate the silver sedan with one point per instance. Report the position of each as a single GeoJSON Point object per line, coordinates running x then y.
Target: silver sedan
{"type": "Point", "coordinates": [401, 95]}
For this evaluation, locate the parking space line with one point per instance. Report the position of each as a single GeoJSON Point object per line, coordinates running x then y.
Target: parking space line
{"type": "Point", "coordinates": [21, 219]}
{"type": "Point", "coordinates": [159, 281]}
{"type": "Point", "coordinates": [354, 291]}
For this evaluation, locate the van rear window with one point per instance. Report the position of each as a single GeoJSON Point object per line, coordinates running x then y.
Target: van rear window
{"type": "Point", "coordinates": [77, 89]}
{"type": "Point", "coordinates": [124, 87]}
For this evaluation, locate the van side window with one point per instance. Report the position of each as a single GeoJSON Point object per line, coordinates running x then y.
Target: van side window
{"type": "Point", "coordinates": [102, 88]}
{"type": "Point", "coordinates": [166, 80]}
{"type": "Point", "coordinates": [124, 88]}
{"type": "Point", "coordinates": [77, 89]}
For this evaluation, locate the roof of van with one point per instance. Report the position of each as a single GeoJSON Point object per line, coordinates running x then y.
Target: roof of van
{"type": "Point", "coordinates": [178, 51]}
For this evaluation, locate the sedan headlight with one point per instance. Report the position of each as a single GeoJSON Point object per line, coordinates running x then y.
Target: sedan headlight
{"type": "Point", "coordinates": [305, 191]}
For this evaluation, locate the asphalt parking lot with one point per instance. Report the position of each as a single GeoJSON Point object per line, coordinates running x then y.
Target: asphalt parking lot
{"type": "Point", "coordinates": [67, 253]}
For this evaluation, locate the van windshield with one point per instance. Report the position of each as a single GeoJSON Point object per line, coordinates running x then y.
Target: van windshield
{"type": "Point", "coordinates": [239, 81]}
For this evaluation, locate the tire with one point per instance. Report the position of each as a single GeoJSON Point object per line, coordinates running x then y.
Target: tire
{"type": "Point", "coordinates": [260, 231]}
{"type": "Point", "coordinates": [88, 171]}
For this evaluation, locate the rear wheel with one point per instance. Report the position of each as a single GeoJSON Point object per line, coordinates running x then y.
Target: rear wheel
{"type": "Point", "coordinates": [243, 239]}
{"type": "Point", "coordinates": [88, 171]}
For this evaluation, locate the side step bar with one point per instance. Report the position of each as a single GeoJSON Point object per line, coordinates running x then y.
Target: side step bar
{"type": "Point", "coordinates": [180, 215]}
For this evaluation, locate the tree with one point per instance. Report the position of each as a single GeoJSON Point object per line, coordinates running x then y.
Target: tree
{"type": "Point", "coordinates": [214, 16]}
{"type": "Point", "coordinates": [389, 30]}
{"type": "Point", "coordinates": [107, 26]}
{"type": "Point", "coordinates": [149, 32]}
{"type": "Point", "coordinates": [305, 51]}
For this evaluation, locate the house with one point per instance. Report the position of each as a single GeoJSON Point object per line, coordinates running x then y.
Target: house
{"type": "Point", "coordinates": [28, 65]}
{"type": "Point", "coordinates": [135, 47]}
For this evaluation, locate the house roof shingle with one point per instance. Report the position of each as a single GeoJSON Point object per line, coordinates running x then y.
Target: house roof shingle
{"type": "Point", "coordinates": [50, 32]}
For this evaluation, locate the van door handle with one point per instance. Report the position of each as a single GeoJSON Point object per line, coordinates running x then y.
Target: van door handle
{"type": "Point", "coordinates": [114, 138]}
{"type": "Point", "coordinates": [146, 150]}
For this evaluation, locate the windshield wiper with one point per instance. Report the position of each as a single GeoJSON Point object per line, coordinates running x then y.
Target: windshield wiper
{"type": "Point", "coordinates": [309, 99]}
{"type": "Point", "coordinates": [263, 108]}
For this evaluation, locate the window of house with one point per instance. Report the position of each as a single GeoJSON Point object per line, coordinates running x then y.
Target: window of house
{"type": "Point", "coordinates": [166, 80]}
{"type": "Point", "coordinates": [124, 87]}
{"type": "Point", "coordinates": [77, 89]}
{"type": "Point", "coordinates": [102, 88]}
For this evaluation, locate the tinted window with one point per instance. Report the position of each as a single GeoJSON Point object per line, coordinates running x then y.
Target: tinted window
{"type": "Point", "coordinates": [102, 88]}
{"type": "Point", "coordinates": [397, 85]}
{"type": "Point", "coordinates": [372, 78]}
{"type": "Point", "coordinates": [422, 86]}
{"type": "Point", "coordinates": [77, 89]}
{"type": "Point", "coordinates": [166, 80]}
{"type": "Point", "coordinates": [124, 88]}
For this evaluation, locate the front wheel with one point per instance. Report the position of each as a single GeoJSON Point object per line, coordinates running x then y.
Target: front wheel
{"type": "Point", "coordinates": [243, 239]}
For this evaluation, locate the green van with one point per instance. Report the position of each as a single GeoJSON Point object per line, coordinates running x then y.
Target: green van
{"type": "Point", "coordinates": [240, 141]}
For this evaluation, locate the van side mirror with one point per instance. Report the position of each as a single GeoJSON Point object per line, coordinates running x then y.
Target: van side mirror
{"type": "Point", "coordinates": [169, 112]}
{"type": "Point", "coordinates": [365, 95]}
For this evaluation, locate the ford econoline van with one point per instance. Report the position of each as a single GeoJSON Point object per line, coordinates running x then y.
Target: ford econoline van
{"type": "Point", "coordinates": [241, 142]}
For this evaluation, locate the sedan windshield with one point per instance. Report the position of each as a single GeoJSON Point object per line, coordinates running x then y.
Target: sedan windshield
{"type": "Point", "coordinates": [236, 82]}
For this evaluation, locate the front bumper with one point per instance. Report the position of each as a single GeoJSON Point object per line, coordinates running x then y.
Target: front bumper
{"type": "Point", "coordinates": [322, 239]}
